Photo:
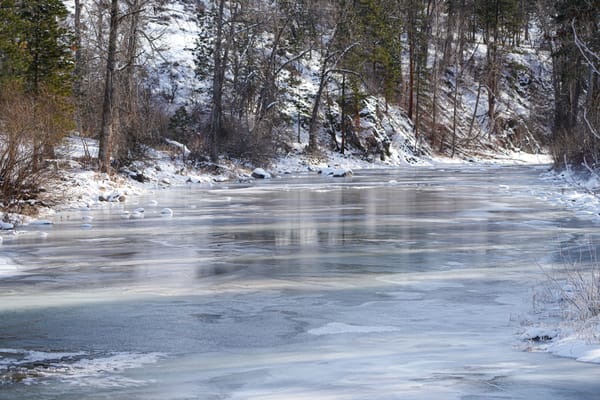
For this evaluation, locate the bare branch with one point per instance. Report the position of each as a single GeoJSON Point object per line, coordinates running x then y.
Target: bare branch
{"type": "Point", "coordinates": [589, 125]}
{"type": "Point", "coordinates": [585, 51]}
{"type": "Point", "coordinates": [291, 60]}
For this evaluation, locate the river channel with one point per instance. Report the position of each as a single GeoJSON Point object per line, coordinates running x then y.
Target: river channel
{"type": "Point", "coordinates": [409, 283]}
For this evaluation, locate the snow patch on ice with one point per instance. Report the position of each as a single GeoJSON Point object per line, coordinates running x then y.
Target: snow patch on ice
{"type": "Point", "coordinates": [75, 368]}
{"type": "Point", "coordinates": [423, 284]}
{"type": "Point", "coordinates": [572, 347]}
{"type": "Point", "coordinates": [166, 212]}
{"type": "Point", "coordinates": [337, 328]}
{"type": "Point", "coordinates": [576, 190]}
{"type": "Point", "coordinates": [6, 225]}
{"type": "Point", "coordinates": [8, 268]}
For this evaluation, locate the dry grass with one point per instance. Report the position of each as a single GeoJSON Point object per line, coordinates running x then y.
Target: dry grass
{"type": "Point", "coordinates": [576, 284]}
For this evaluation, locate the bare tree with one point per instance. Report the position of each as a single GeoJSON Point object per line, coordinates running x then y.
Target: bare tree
{"type": "Point", "coordinates": [107, 122]}
{"type": "Point", "coordinates": [331, 58]}
{"type": "Point", "coordinates": [493, 65]}
{"type": "Point", "coordinates": [78, 72]}
{"type": "Point", "coordinates": [219, 64]}
{"type": "Point", "coordinates": [128, 119]}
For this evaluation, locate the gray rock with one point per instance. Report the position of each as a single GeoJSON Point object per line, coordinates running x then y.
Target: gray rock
{"type": "Point", "coordinates": [260, 173]}
{"type": "Point", "coordinates": [336, 172]}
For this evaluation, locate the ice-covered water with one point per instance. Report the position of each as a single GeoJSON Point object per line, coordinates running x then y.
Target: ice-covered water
{"type": "Point", "coordinates": [402, 284]}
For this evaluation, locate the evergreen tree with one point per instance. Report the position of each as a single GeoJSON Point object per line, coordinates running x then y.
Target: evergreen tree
{"type": "Point", "coordinates": [378, 28]}
{"type": "Point", "coordinates": [12, 41]}
{"type": "Point", "coordinates": [35, 45]}
{"type": "Point", "coordinates": [35, 76]}
{"type": "Point", "coordinates": [576, 82]}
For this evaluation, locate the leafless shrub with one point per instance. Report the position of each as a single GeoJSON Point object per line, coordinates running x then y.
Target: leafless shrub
{"type": "Point", "coordinates": [573, 148]}
{"type": "Point", "coordinates": [30, 127]}
{"type": "Point", "coordinates": [142, 124]}
{"type": "Point", "coordinates": [576, 282]}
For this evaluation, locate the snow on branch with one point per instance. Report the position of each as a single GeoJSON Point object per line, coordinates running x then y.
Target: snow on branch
{"type": "Point", "coordinates": [585, 51]}
{"type": "Point", "coordinates": [589, 124]}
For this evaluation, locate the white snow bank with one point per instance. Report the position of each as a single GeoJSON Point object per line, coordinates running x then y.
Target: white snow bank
{"type": "Point", "coordinates": [84, 189]}
{"type": "Point", "coordinates": [577, 348]}
{"type": "Point", "coordinates": [562, 333]}
{"type": "Point", "coordinates": [578, 191]}
{"type": "Point", "coordinates": [336, 172]}
{"type": "Point", "coordinates": [539, 333]}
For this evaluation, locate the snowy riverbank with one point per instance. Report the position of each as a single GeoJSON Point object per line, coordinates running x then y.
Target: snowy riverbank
{"type": "Point", "coordinates": [80, 187]}
{"type": "Point", "coordinates": [564, 319]}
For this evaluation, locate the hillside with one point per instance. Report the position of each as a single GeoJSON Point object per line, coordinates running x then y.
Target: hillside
{"type": "Point", "coordinates": [382, 132]}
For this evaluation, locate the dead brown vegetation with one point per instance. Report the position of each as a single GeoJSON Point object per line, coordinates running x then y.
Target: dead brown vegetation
{"type": "Point", "coordinates": [30, 127]}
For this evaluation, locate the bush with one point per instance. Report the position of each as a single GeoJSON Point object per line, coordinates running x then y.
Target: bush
{"type": "Point", "coordinates": [30, 127]}
{"type": "Point", "coordinates": [582, 291]}
{"type": "Point", "coordinates": [576, 285]}
{"type": "Point", "coordinates": [144, 124]}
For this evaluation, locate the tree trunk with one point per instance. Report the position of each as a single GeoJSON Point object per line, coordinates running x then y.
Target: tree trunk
{"type": "Point", "coordinates": [343, 124]}
{"type": "Point", "coordinates": [435, 83]}
{"type": "Point", "coordinates": [106, 127]}
{"type": "Point", "coordinates": [492, 64]}
{"type": "Point", "coordinates": [411, 70]}
{"type": "Point", "coordinates": [491, 87]}
{"type": "Point", "coordinates": [216, 114]}
{"type": "Point", "coordinates": [129, 96]}
{"type": "Point", "coordinates": [78, 72]}
{"type": "Point", "coordinates": [454, 116]}
{"type": "Point", "coordinates": [313, 144]}
{"type": "Point", "coordinates": [314, 117]}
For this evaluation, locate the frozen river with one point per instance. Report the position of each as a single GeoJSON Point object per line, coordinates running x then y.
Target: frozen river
{"type": "Point", "coordinates": [399, 284]}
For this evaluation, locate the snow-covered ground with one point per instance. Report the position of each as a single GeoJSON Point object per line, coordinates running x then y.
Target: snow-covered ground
{"type": "Point", "coordinates": [81, 187]}
{"type": "Point", "coordinates": [558, 323]}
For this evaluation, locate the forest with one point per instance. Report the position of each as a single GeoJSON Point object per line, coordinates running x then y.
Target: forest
{"type": "Point", "coordinates": [268, 74]}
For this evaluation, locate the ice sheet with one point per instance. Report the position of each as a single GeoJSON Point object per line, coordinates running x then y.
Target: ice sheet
{"type": "Point", "coordinates": [300, 288]}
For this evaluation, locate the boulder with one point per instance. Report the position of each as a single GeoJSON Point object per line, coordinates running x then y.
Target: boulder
{"type": "Point", "coordinates": [134, 174]}
{"type": "Point", "coordinates": [6, 225]}
{"type": "Point", "coordinates": [112, 197]}
{"type": "Point", "coordinates": [336, 172]}
{"type": "Point", "coordinates": [166, 212]}
{"type": "Point", "coordinates": [260, 173]}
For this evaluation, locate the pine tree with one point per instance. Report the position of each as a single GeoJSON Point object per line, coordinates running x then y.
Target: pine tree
{"type": "Point", "coordinates": [35, 84]}
{"type": "Point", "coordinates": [576, 94]}
{"type": "Point", "coordinates": [35, 45]}
{"type": "Point", "coordinates": [379, 29]}
{"type": "Point", "coordinates": [12, 42]}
